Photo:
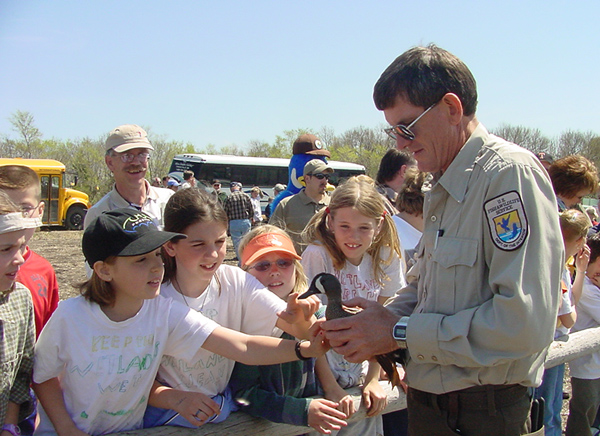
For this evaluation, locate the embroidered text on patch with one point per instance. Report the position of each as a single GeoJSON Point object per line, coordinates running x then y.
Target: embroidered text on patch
{"type": "Point", "coordinates": [507, 220]}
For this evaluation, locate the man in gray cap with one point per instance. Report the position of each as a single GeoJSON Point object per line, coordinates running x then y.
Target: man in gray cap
{"type": "Point", "coordinates": [293, 213]}
{"type": "Point", "coordinates": [127, 153]}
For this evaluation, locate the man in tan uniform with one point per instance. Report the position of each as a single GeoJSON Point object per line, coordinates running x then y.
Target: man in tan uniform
{"type": "Point", "coordinates": [293, 213]}
{"type": "Point", "coordinates": [479, 317]}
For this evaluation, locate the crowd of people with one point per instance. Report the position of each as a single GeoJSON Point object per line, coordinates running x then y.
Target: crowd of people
{"type": "Point", "coordinates": [462, 244]}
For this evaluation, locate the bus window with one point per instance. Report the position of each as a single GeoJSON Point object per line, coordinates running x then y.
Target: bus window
{"type": "Point", "coordinates": [45, 196]}
{"type": "Point", "coordinates": [54, 191]}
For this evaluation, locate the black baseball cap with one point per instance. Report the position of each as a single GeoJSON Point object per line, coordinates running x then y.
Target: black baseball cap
{"type": "Point", "coordinates": [122, 232]}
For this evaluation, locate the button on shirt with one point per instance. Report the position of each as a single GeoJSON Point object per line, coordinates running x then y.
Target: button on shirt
{"type": "Point", "coordinates": [482, 311]}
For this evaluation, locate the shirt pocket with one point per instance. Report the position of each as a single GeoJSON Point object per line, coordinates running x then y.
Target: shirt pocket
{"type": "Point", "coordinates": [454, 276]}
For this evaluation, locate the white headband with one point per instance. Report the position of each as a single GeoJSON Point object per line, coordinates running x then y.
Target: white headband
{"type": "Point", "coordinates": [11, 222]}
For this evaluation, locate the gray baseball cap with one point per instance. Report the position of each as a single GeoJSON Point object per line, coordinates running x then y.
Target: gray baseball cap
{"type": "Point", "coordinates": [316, 166]}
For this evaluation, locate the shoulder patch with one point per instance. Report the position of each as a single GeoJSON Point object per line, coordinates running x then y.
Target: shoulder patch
{"type": "Point", "coordinates": [507, 220]}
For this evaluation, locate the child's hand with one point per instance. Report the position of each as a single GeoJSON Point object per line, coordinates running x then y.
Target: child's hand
{"type": "Point", "coordinates": [300, 309]}
{"type": "Point", "coordinates": [318, 345]}
{"type": "Point", "coordinates": [324, 416]}
{"type": "Point", "coordinates": [197, 408]}
{"type": "Point", "coordinates": [346, 404]}
{"type": "Point", "coordinates": [582, 259]}
{"type": "Point", "coordinates": [374, 398]}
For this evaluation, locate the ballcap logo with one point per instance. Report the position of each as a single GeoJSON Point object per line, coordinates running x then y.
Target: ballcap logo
{"type": "Point", "coordinates": [318, 144]}
{"type": "Point", "coordinates": [131, 224]}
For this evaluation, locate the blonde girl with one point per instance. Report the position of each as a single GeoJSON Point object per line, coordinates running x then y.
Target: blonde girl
{"type": "Point", "coordinates": [196, 278]}
{"type": "Point", "coordinates": [354, 232]}
{"type": "Point", "coordinates": [279, 392]}
{"type": "Point", "coordinates": [356, 240]}
{"type": "Point", "coordinates": [97, 357]}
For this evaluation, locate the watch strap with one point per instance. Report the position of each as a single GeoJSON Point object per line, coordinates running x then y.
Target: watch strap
{"type": "Point", "coordinates": [12, 429]}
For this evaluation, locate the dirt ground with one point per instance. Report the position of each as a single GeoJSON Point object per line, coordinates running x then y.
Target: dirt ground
{"type": "Point", "coordinates": [62, 249]}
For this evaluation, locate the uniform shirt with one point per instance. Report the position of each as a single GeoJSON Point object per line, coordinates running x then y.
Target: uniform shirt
{"type": "Point", "coordinates": [156, 200]}
{"type": "Point", "coordinates": [17, 333]}
{"type": "Point", "coordinates": [483, 309]}
{"type": "Point", "coordinates": [293, 213]}
{"type": "Point", "coordinates": [238, 206]}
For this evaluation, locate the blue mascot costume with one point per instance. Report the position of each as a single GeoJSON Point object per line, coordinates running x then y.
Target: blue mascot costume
{"type": "Point", "coordinates": [306, 147]}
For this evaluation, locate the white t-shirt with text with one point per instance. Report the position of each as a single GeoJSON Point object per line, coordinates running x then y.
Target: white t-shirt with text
{"type": "Point", "coordinates": [106, 368]}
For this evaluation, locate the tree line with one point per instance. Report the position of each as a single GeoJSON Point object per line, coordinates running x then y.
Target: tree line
{"type": "Point", "coordinates": [85, 157]}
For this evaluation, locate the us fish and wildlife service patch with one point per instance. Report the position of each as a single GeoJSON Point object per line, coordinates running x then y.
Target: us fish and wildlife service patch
{"type": "Point", "coordinates": [507, 220]}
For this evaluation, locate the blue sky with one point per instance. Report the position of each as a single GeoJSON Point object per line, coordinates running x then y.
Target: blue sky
{"type": "Point", "coordinates": [228, 72]}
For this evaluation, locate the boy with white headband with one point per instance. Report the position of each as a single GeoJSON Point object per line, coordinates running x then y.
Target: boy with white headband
{"type": "Point", "coordinates": [16, 348]}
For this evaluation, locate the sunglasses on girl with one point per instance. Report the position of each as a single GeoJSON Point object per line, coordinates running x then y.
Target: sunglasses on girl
{"type": "Point", "coordinates": [265, 265]}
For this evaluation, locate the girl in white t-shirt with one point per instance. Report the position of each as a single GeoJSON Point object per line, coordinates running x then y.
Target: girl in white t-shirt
{"type": "Point", "coordinates": [196, 278]}
{"type": "Point", "coordinates": [97, 357]}
{"type": "Point", "coordinates": [356, 240]}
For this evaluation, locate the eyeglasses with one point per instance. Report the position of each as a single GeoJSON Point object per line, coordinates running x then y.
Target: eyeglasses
{"type": "Point", "coordinates": [320, 176]}
{"type": "Point", "coordinates": [129, 157]}
{"type": "Point", "coordinates": [400, 130]}
{"type": "Point", "coordinates": [27, 211]}
{"type": "Point", "coordinates": [266, 265]}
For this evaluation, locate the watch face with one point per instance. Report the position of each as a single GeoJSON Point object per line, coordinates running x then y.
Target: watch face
{"type": "Point", "coordinates": [400, 331]}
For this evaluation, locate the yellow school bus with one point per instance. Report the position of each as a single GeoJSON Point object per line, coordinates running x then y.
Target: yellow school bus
{"type": "Point", "coordinates": [65, 207]}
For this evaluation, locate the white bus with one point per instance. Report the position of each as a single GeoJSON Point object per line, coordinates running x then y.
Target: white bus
{"type": "Point", "coordinates": [263, 172]}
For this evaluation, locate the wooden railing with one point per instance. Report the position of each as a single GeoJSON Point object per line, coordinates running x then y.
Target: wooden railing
{"type": "Point", "coordinates": [240, 424]}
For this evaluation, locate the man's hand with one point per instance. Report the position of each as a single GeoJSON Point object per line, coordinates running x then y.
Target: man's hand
{"type": "Point", "coordinates": [364, 335]}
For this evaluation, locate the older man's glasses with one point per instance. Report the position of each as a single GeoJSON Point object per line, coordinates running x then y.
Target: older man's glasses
{"type": "Point", "coordinates": [266, 265]}
{"type": "Point", "coordinates": [130, 157]}
{"type": "Point", "coordinates": [321, 176]}
{"type": "Point", "coordinates": [402, 131]}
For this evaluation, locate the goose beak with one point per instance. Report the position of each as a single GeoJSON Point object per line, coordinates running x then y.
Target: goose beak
{"type": "Point", "coordinates": [311, 291]}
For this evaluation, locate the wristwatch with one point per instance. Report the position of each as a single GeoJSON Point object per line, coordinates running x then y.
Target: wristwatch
{"type": "Point", "coordinates": [12, 429]}
{"type": "Point", "coordinates": [399, 332]}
